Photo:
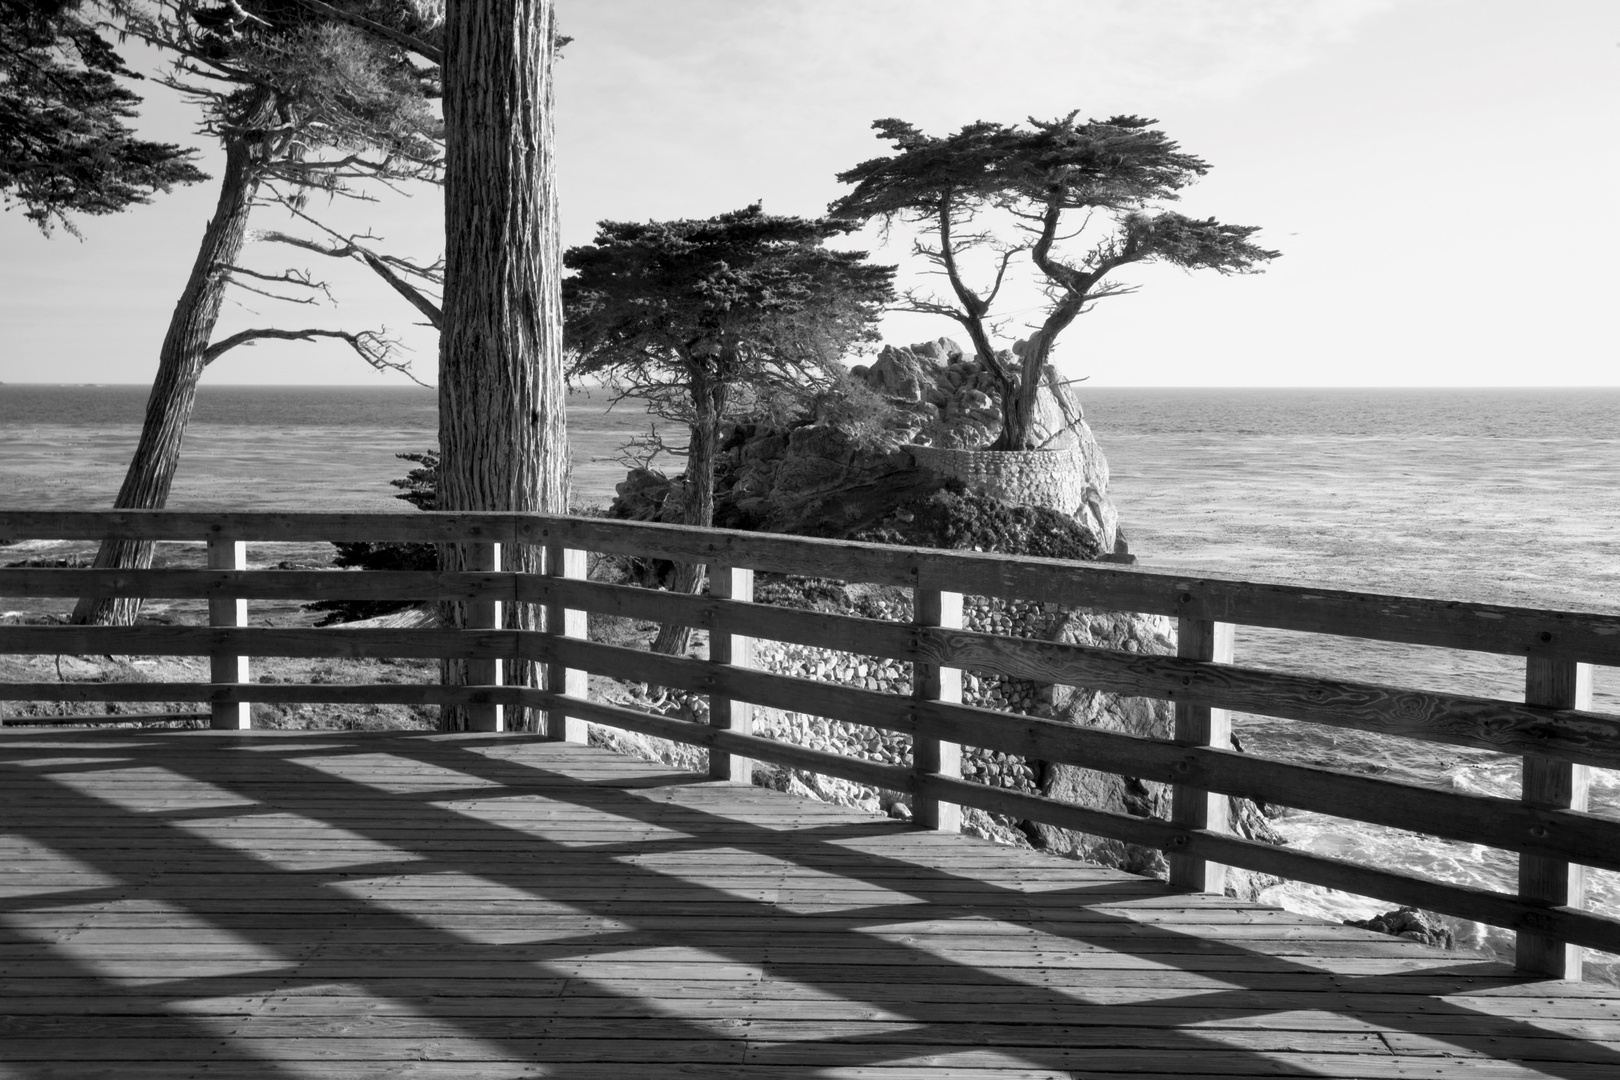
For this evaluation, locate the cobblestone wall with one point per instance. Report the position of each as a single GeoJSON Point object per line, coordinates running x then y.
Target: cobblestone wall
{"type": "Point", "coordinates": [1054, 478]}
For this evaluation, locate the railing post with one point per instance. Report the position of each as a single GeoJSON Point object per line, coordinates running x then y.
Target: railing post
{"type": "Point", "coordinates": [1200, 725]}
{"type": "Point", "coordinates": [1559, 684]}
{"type": "Point", "coordinates": [930, 682]}
{"type": "Point", "coordinates": [565, 562]}
{"type": "Point", "coordinates": [485, 614]}
{"type": "Point", "coordinates": [227, 669]}
{"type": "Point", "coordinates": [734, 650]}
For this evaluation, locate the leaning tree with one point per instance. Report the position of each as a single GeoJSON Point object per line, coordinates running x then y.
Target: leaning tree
{"type": "Point", "coordinates": [65, 146]}
{"type": "Point", "coordinates": [1110, 174]}
{"type": "Point", "coordinates": [695, 316]}
{"type": "Point", "coordinates": [304, 99]}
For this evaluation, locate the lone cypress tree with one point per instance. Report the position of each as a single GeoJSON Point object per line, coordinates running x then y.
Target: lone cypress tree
{"type": "Point", "coordinates": [1111, 174]}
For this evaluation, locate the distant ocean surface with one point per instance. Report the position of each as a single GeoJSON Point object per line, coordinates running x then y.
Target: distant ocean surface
{"type": "Point", "coordinates": [1503, 496]}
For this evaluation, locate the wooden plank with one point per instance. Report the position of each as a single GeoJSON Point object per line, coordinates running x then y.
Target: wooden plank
{"type": "Point", "coordinates": [261, 584]}
{"type": "Point", "coordinates": [931, 682]}
{"type": "Point", "coordinates": [730, 649]}
{"type": "Point", "coordinates": [275, 693]}
{"type": "Point", "coordinates": [1460, 816]}
{"type": "Point", "coordinates": [1480, 905]}
{"type": "Point", "coordinates": [888, 777]}
{"type": "Point", "coordinates": [1487, 723]}
{"type": "Point", "coordinates": [1584, 636]}
{"type": "Point", "coordinates": [1558, 785]}
{"type": "Point", "coordinates": [255, 641]}
{"type": "Point", "coordinates": [848, 633]}
{"type": "Point", "coordinates": [565, 563]}
{"type": "Point", "coordinates": [101, 719]}
{"type": "Point", "coordinates": [1207, 642]}
{"type": "Point", "coordinates": [488, 614]}
{"type": "Point", "coordinates": [226, 669]}
{"type": "Point", "coordinates": [1506, 727]}
{"type": "Point", "coordinates": [1480, 819]}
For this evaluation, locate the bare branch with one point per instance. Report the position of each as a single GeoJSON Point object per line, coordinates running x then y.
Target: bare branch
{"type": "Point", "coordinates": [384, 267]}
{"type": "Point", "coordinates": [370, 346]}
{"type": "Point", "coordinates": [275, 295]}
{"type": "Point", "coordinates": [300, 278]}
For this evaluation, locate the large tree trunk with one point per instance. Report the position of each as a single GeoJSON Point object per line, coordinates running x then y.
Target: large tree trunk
{"type": "Point", "coordinates": [709, 404]}
{"type": "Point", "coordinates": [502, 430]}
{"type": "Point", "coordinates": [180, 364]}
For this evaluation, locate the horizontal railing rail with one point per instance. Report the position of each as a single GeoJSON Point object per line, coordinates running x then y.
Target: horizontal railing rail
{"type": "Point", "coordinates": [1554, 730]}
{"type": "Point", "coordinates": [1587, 637]}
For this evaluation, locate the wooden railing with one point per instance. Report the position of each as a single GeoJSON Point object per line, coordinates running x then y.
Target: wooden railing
{"type": "Point", "coordinates": [1553, 730]}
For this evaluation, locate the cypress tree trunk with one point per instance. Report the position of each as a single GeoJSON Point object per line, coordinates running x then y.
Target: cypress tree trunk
{"type": "Point", "coordinates": [709, 400]}
{"type": "Point", "coordinates": [180, 364]}
{"type": "Point", "coordinates": [502, 430]}
{"type": "Point", "coordinates": [1018, 406]}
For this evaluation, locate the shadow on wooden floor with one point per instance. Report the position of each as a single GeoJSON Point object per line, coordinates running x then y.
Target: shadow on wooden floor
{"type": "Point", "coordinates": [281, 905]}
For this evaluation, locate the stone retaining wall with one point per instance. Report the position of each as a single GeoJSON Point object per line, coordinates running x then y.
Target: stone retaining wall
{"type": "Point", "coordinates": [1052, 478]}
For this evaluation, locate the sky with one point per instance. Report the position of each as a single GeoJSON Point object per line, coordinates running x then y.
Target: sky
{"type": "Point", "coordinates": [1439, 175]}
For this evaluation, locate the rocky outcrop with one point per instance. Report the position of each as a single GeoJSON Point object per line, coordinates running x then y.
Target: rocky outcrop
{"type": "Point", "coordinates": [951, 400]}
{"type": "Point", "coordinates": [1412, 924]}
{"type": "Point", "coordinates": [820, 479]}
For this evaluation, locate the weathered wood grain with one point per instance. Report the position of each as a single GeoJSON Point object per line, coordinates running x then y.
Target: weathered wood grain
{"type": "Point", "coordinates": [270, 693]}
{"type": "Point", "coordinates": [1460, 816]}
{"type": "Point", "coordinates": [931, 755]}
{"type": "Point", "coordinates": [1584, 636]}
{"type": "Point", "coordinates": [264, 584]}
{"type": "Point", "coordinates": [1488, 723]}
{"type": "Point", "coordinates": [730, 649]}
{"type": "Point", "coordinates": [791, 755]}
{"type": "Point", "coordinates": [565, 564]}
{"type": "Point", "coordinates": [1556, 786]}
{"type": "Point", "coordinates": [1202, 641]}
{"type": "Point", "coordinates": [1498, 909]}
{"type": "Point", "coordinates": [225, 668]}
{"type": "Point", "coordinates": [486, 613]}
{"type": "Point", "coordinates": [573, 913]}
{"type": "Point", "coordinates": [255, 641]}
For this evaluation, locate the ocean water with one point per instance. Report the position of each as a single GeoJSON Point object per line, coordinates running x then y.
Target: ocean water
{"type": "Point", "coordinates": [1502, 496]}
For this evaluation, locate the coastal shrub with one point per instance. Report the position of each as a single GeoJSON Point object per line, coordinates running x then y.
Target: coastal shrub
{"type": "Point", "coordinates": [956, 518]}
{"type": "Point", "coordinates": [419, 487]}
{"type": "Point", "coordinates": [365, 555]}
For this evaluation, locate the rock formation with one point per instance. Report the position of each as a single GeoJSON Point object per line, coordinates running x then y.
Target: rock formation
{"type": "Point", "coordinates": [818, 479]}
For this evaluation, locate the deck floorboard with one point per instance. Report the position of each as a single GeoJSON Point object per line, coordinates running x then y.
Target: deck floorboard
{"type": "Point", "coordinates": [425, 907]}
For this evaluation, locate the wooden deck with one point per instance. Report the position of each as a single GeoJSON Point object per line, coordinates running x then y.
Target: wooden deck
{"type": "Point", "coordinates": [289, 905]}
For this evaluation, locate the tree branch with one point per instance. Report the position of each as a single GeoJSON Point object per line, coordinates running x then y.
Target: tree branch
{"type": "Point", "coordinates": [371, 347]}
{"type": "Point", "coordinates": [400, 38]}
{"type": "Point", "coordinates": [410, 292]}
{"type": "Point", "coordinates": [290, 277]}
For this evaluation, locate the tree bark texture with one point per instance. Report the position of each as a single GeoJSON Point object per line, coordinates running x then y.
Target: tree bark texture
{"type": "Point", "coordinates": [709, 406]}
{"type": "Point", "coordinates": [180, 365]}
{"type": "Point", "coordinates": [502, 433]}
{"type": "Point", "coordinates": [1018, 407]}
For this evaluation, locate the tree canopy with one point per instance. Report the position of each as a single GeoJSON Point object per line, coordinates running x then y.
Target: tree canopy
{"type": "Point", "coordinates": [1112, 174]}
{"type": "Point", "coordinates": [742, 294]}
{"type": "Point", "coordinates": [65, 145]}
{"type": "Point", "coordinates": [699, 317]}
{"type": "Point", "coordinates": [302, 100]}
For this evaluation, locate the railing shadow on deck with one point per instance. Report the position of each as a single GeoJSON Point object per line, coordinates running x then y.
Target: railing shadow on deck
{"type": "Point", "coordinates": [190, 875]}
{"type": "Point", "coordinates": [1553, 730]}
